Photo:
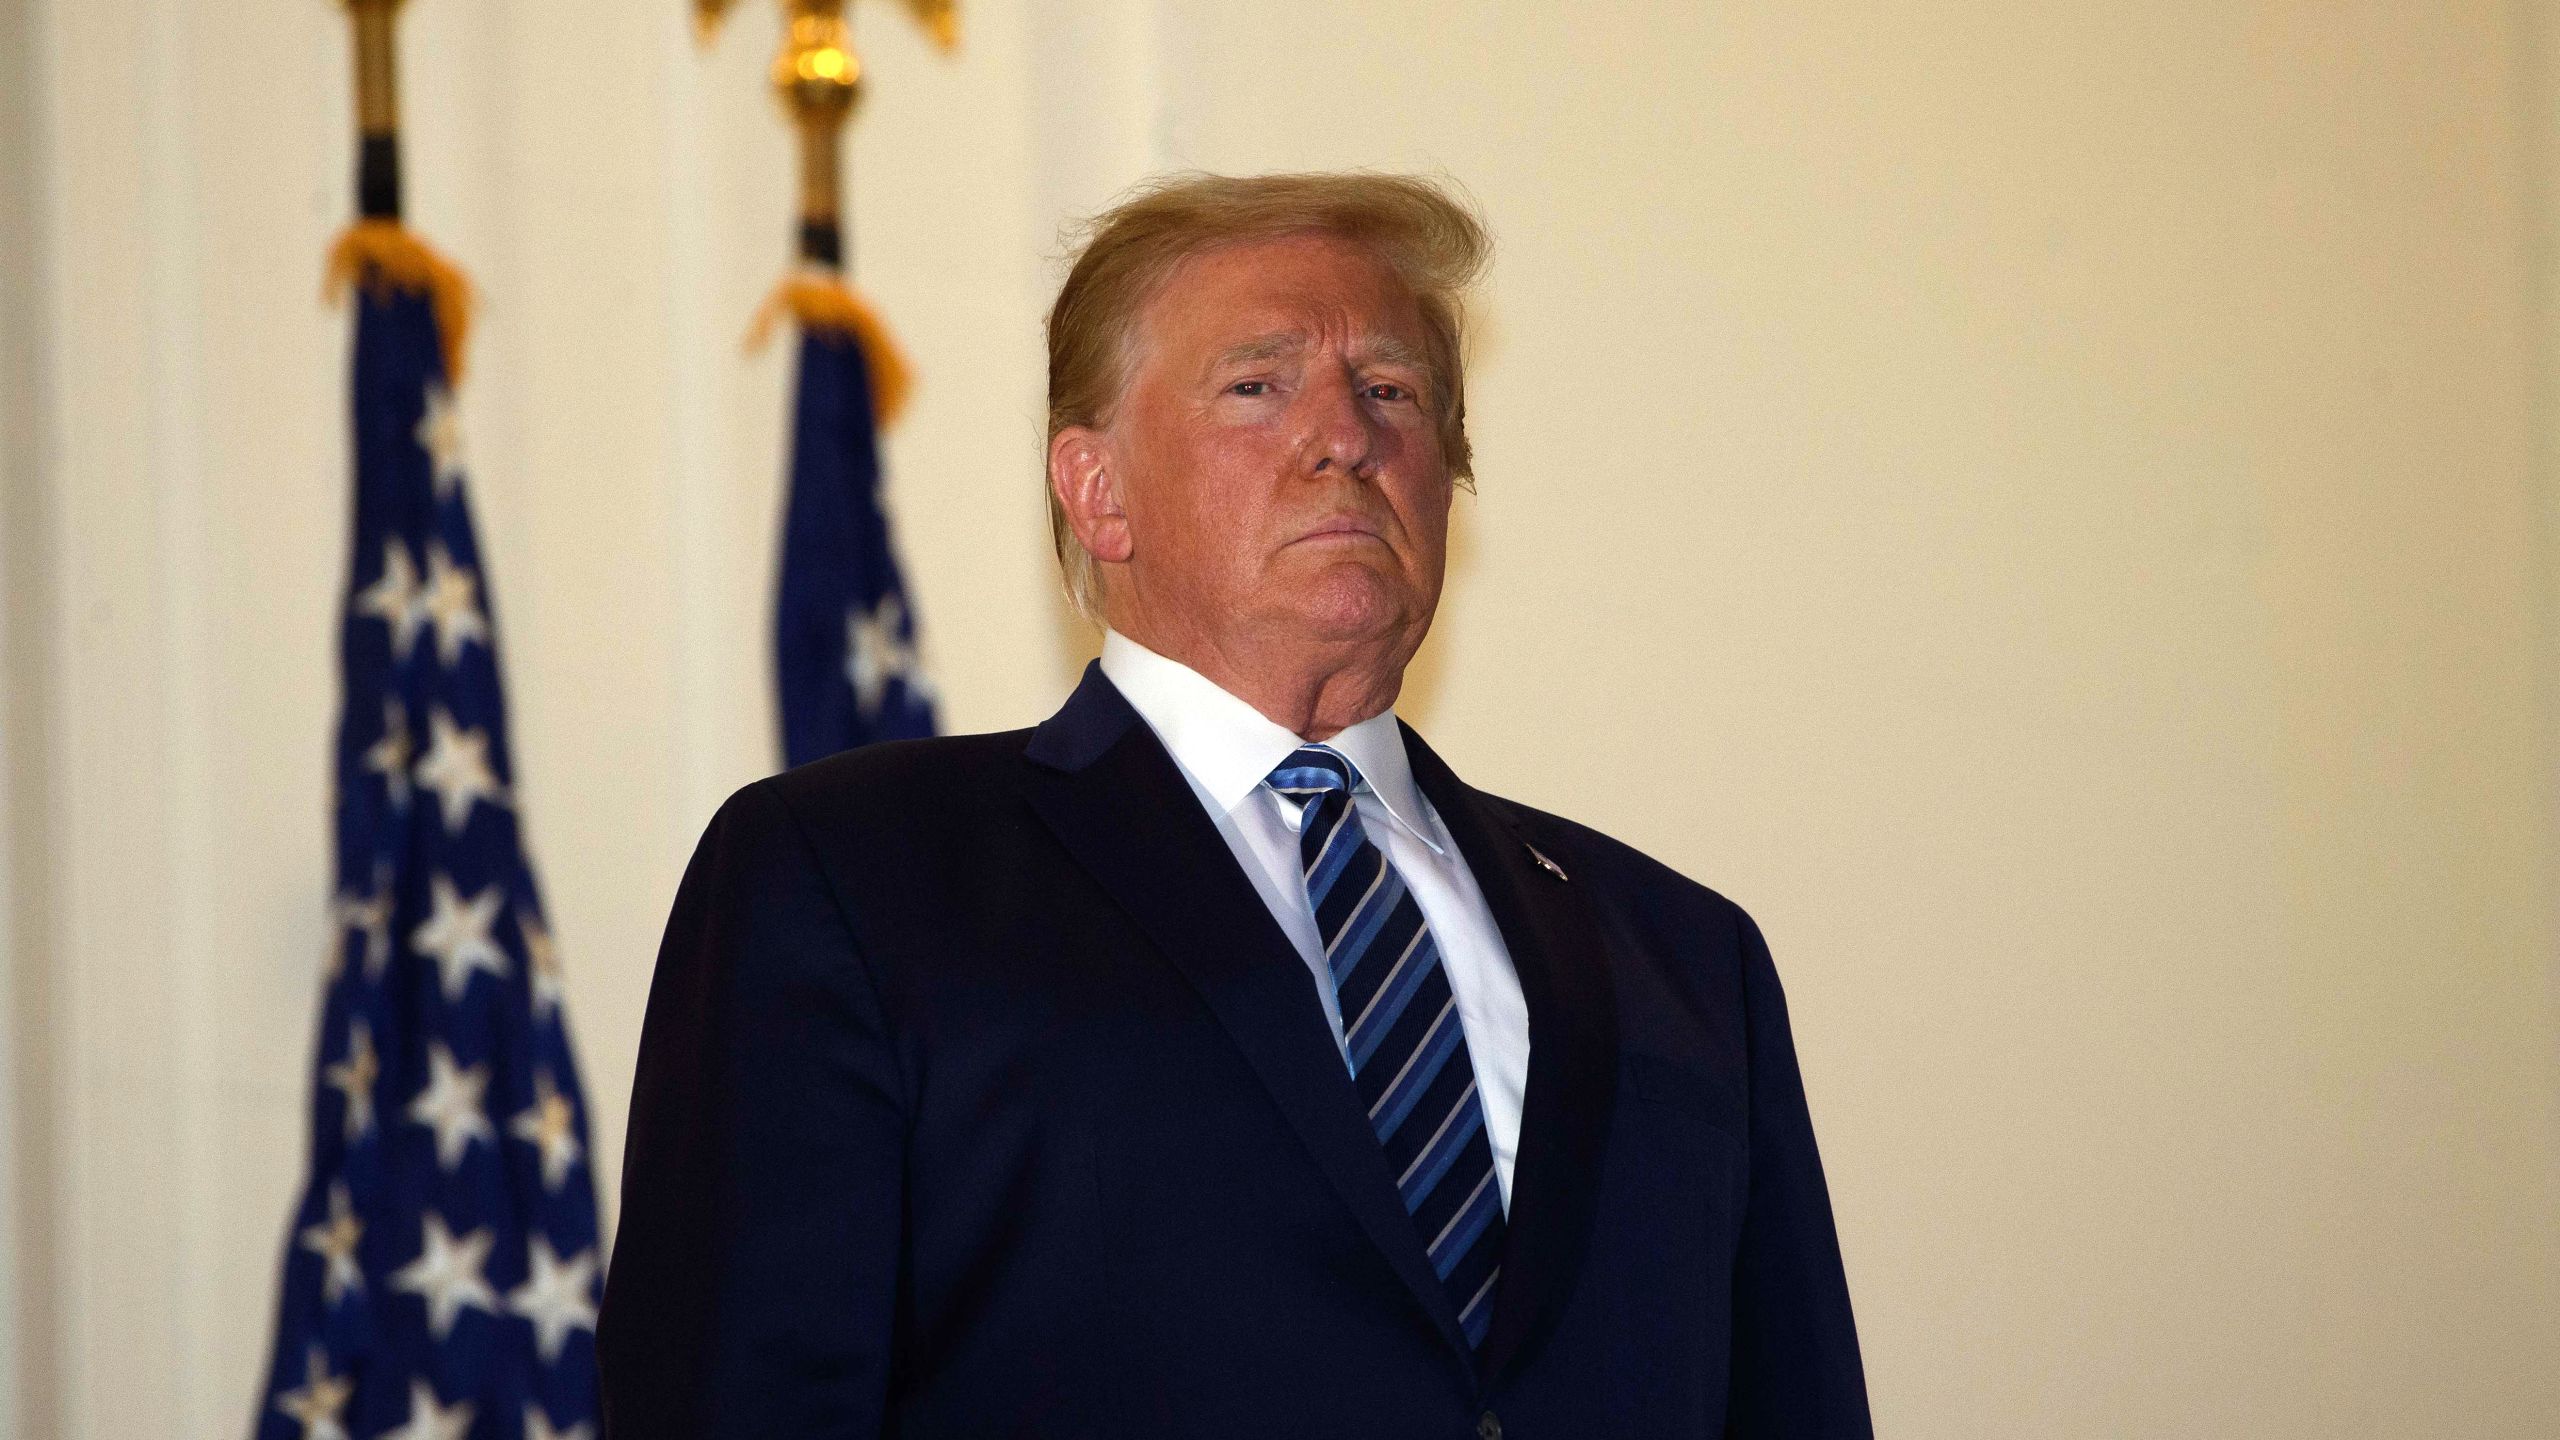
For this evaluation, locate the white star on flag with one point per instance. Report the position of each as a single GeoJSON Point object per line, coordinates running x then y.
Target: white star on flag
{"type": "Point", "coordinates": [452, 602]}
{"type": "Point", "coordinates": [316, 1405]}
{"type": "Point", "coordinates": [456, 767]}
{"type": "Point", "coordinates": [334, 1240]}
{"type": "Point", "coordinates": [353, 1077]}
{"type": "Point", "coordinates": [440, 435]}
{"type": "Point", "coordinates": [395, 599]}
{"type": "Point", "coordinates": [876, 652]}
{"type": "Point", "coordinates": [550, 1127]}
{"type": "Point", "coordinates": [537, 1426]}
{"type": "Point", "coordinates": [545, 955]}
{"type": "Point", "coordinates": [456, 933]}
{"type": "Point", "coordinates": [554, 1297]}
{"type": "Point", "coordinates": [370, 914]}
{"type": "Point", "coordinates": [430, 1421]}
{"type": "Point", "coordinates": [451, 1105]}
{"type": "Point", "coordinates": [389, 756]}
{"type": "Point", "coordinates": [447, 1275]}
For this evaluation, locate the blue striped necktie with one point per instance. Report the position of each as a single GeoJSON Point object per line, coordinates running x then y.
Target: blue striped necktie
{"type": "Point", "coordinates": [1408, 1053]}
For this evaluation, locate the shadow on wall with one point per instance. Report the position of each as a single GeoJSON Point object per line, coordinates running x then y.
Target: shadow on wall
{"type": "Point", "coordinates": [1420, 702]}
{"type": "Point", "coordinates": [1079, 639]}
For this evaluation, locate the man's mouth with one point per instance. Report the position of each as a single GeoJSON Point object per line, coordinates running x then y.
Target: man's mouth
{"type": "Point", "coordinates": [1343, 527]}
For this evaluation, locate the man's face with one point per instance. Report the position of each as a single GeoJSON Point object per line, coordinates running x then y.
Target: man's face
{"type": "Point", "coordinates": [1276, 458]}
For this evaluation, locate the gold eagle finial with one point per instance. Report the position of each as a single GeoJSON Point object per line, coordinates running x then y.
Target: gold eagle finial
{"type": "Point", "coordinates": [819, 77]}
{"type": "Point", "coordinates": [940, 18]}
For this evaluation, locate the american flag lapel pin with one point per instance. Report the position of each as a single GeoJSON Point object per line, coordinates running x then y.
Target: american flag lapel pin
{"type": "Point", "coordinates": [1544, 863]}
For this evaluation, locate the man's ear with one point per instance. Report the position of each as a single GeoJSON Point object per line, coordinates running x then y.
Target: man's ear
{"type": "Point", "coordinates": [1087, 483]}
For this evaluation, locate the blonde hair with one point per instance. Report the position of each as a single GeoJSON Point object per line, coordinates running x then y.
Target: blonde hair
{"type": "Point", "coordinates": [1432, 241]}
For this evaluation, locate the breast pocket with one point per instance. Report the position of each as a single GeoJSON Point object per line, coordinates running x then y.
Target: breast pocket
{"type": "Point", "coordinates": [1669, 1218]}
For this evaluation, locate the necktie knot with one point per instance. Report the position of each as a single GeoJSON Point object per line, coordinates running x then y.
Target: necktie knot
{"type": "Point", "coordinates": [1311, 772]}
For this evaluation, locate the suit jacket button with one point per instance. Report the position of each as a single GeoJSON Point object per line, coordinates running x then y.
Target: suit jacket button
{"type": "Point", "coordinates": [1488, 1426]}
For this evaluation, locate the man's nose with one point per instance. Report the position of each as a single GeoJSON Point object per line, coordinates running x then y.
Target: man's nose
{"type": "Point", "coordinates": [1340, 434]}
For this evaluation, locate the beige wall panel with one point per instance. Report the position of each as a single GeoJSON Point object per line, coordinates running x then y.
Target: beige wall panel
{"type": "Point", "coordinates": [2033, 501]}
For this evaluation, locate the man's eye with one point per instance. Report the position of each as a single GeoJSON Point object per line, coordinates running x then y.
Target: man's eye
{"type": "Point", "coordinates": [1250, 387]}
{"type": "Point", "coordinates": [1383, 390]}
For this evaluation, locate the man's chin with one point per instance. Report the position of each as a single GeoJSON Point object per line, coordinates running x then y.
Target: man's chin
{"type": "Point", "coordinates": [1351, 604]}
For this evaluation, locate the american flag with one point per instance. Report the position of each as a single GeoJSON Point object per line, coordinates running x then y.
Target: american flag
{"type": "Point", "coordinates": [442, 1271]}
{"type": "Point", "coordinates": [845, 638]}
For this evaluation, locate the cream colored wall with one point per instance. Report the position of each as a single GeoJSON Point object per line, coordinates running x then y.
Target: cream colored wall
{"type": "Point", "coordinates": [2036, 504]}
{"type": "Point", "coordinates": [2034, 501]}
{"type": "Point", "coordinates": [2037, 501]}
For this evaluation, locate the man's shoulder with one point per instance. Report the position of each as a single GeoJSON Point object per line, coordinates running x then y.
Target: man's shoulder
{"type": "Point", "coordinates": [940, 782]}
{"type": "Point", "coordinates": [936, 763]}
{"type": "Point", "coordinates": [1617, 875]}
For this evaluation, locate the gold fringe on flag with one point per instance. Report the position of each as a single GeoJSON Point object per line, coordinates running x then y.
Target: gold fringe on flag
{"type": "Point", "coordinates": [820, 302]}
{"type": "Point", "coordinates": [382, 256]}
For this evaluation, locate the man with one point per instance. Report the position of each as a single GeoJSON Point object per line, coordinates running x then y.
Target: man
{"type": "Point", "coordinates": [1211, 1061]}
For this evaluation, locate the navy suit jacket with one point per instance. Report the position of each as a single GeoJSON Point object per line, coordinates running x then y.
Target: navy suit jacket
{"type": "Point", "coordinates": [980, 1095]}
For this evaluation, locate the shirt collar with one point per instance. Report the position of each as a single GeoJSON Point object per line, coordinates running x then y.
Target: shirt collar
{"type": "Point", "coordinates": [1230, 748]}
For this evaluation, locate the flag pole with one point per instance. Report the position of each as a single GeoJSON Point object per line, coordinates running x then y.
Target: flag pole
{"type": "Point", "coordinates": [376, 35]}
{"type": "Point", "coordinates": [847, 666]}
{"type": "Point", "coordinates": [378, 250]}
{"type": "Point", "coordinates": [818, 75]}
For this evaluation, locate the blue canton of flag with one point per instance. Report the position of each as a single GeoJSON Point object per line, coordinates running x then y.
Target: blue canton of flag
{"type": "Point", "coordinates": [442, 1274]}
{"type": "Point", "coordinates": [845, 639]}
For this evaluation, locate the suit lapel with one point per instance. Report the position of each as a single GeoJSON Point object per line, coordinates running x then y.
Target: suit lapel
{"type": "Point", "coordinates": [1554, 939]}
{"type": "Point", "coordinates": [1100, 780]}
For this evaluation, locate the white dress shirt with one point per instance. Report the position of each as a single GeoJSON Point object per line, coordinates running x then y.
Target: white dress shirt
{"type": "Point", "coordinates": [1226, 749]}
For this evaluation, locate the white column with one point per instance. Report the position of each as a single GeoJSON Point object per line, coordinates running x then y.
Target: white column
{"type": "Point", "coordinates": [25, 1293]}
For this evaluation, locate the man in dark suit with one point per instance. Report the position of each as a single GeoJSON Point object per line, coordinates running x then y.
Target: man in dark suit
{"type": "Point", "coordinates": [1211, 1061]}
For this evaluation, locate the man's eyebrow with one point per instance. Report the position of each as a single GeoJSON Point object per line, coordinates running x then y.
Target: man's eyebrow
{"type": "Point", "coordinates": [1387, 349]}
{"type": "Point", "coordinates": [1374, 349]}
{"type": "Point", "coordinates": [1259, 348]}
